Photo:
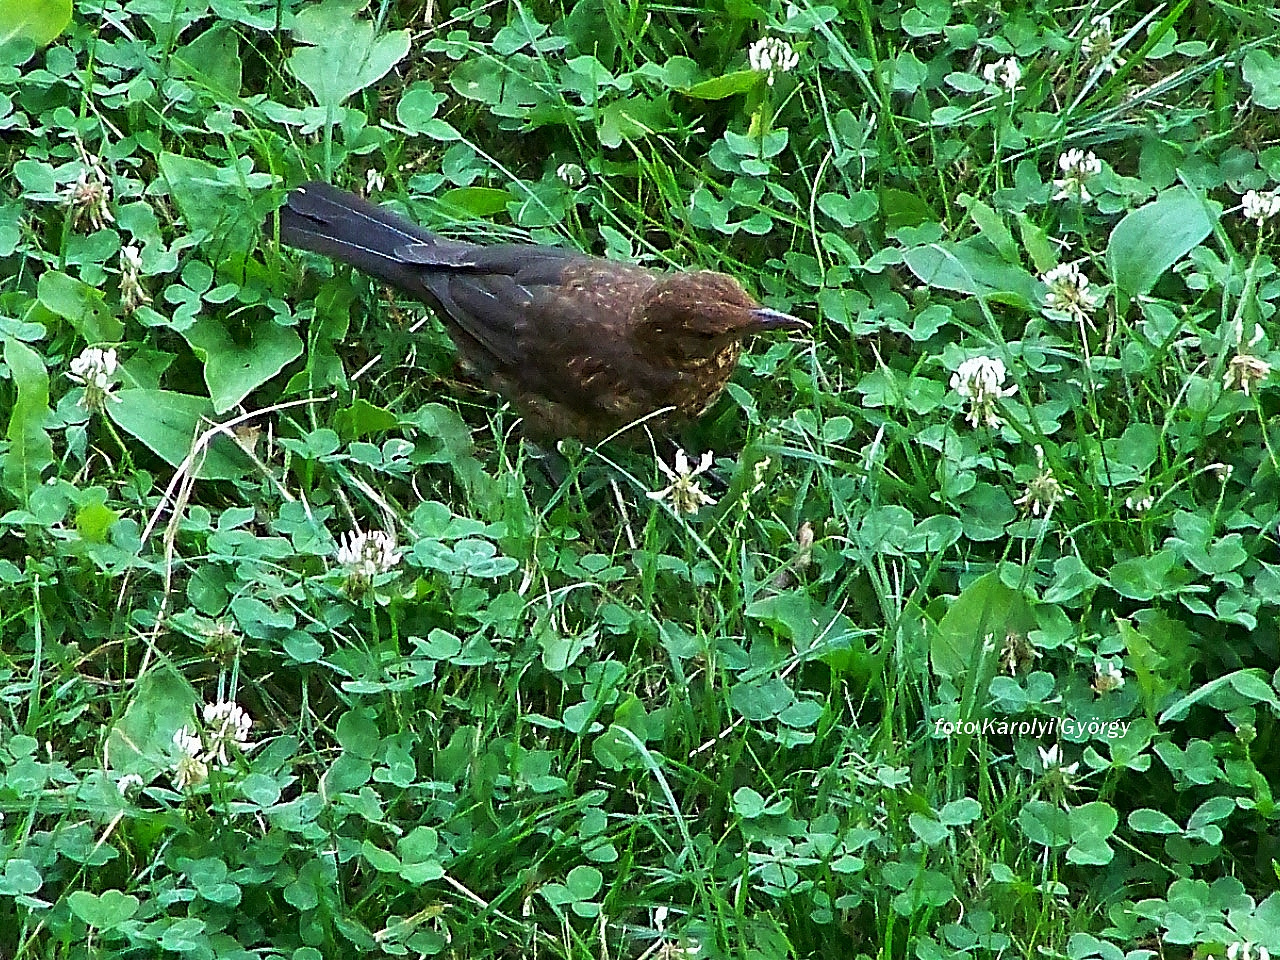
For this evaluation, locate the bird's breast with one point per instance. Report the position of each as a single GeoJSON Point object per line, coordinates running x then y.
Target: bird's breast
{"type": "Point", "coordinates": [702, 379]}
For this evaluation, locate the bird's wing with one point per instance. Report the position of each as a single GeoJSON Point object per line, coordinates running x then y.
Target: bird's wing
{"type": "Point", "coordinates": [490, 293]}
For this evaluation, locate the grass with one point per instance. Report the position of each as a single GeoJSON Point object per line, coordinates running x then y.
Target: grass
{"type": "Point", "coordinates": [949, 669]}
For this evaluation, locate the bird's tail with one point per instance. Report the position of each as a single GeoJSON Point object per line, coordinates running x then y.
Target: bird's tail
{"type": "Point", "coordinates": [338, 224]}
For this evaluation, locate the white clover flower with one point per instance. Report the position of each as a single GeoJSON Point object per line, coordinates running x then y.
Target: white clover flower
{"type": "Point", "coordinates": [1068, 296]}
{"type": "Point", "coordinates": [1260, 206]}
{"type": "Point", "coordinates": [364, 556]}
{"type": "Point", "coordinates": [189, 770]}
{"type": "Point", "coordinates": [572, 174]}
{"type": "Point", "coordinates": [1244, 950]}
{"type": "Point", "coordinates": [228, 726]}
{"type": "Point", "coordinates": [1077, 168]}
{"type": "Point", "coordinates": [1051, 760]}
{"type": "Point", "coordinates": [684, 492]}
{"type": "Point", "coordinates": [772, 55]}
{"type": "Point", "coordinates": [1044, 491]}
{"type": "Point", "coordinates": [95, 370]}
{"type": "Point", "coordinates": [1107, 678]}
{"type": "Point", "coordinates": [1244, 371]}
{"type": "Point", "coordinates": [1140, 503]}
{"type": "Point", "coordinates": [1003, 73]}
{"type": "Point", "coordinates": [980, 381]}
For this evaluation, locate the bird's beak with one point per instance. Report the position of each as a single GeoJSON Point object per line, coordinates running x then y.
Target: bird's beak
{"type": "Point", "coordinates": [767, 319]}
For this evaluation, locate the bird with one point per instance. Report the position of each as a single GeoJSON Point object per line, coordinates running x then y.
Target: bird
{"type": "Point", "coordinates": [581, 346]}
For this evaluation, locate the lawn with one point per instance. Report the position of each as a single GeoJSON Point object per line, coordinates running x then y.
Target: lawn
{"type": "Point", "coordinates": [951, 630]}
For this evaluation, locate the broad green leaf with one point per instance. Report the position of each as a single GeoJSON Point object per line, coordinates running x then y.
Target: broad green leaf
{"type": "Point", "coordinates": [1044, 256]}
{"type": "Point", "coordinates": [967, 268]}
{"type": "Point", "coordinates": [139, 742]}
{"type": "Point", "coordinates": [40, 21]}
{"type": "Point", "coordinates": [382, 860]}
{"type": "Point", "coordinates": [633, 119]}
{"type": "Point", "coordinates": [418, 105]}
{"type": "Point", "coordinates": [81, 305]}
{"type": "Point", "coordinates": [718, 88]}
{"type": "Point", "coordinates": [929, 830]}
{"type": "Point", "coordinates": [1146, 820]}
{"type": "Point", "coordinates": [1262, 72]}
{"type": "Point", "coordinates": [584, 882]}
{"type": "Point", "coordinates": [19, 876]}
{"type": "Point", "coordinates": [748, 804]}
{"type": "Point", "coordinates": [478, 201]}
{"type": "Point", "coordinates": [94, 520]}
{"type": "Point", "coordinates": [211, 200]}
{"type": "Point", "coordinates": [362, 418]}
{"type": "Point", "coordinates": [213, 59]}
{"type": "Point", "coordinates": [761, 700]}
{"type": "Point", "coordinates": [170, 423]}
{"type": "Point", "coordinates": [231, 368]}
{"type": "Point", "coordinates": [30, 449]}
{"type": "Point", "coordinates": [1091, 825]}
{"type": "Point", "coordinates": [992, 226]}
{"type": "Point", "coordinates": [1151, 239]}
{"type": "Point", "coordinates": [903, 209]}
{"type": "Point", "coordinates": [984, 614]}
{"type": "Point", "coordinates": [1044, 824]}
{"type": "Point", "coordinates": [1158, 574]}
{"type": "Point", "coordinates": [343, 55]}
{"type": "Point", "coordinates": [957, 813]}
{"type": "Point", "coordinates": [849, 211]}
{"type": "Point", "coordinates": [1245, 682]}
{"type": "Point", "coordinates": [103, 912]}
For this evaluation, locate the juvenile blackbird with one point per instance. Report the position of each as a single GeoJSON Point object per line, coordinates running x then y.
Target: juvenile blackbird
{"type": "Point", "coordinates": [580, 345]}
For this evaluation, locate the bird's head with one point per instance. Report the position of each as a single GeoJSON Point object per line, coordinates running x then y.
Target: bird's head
{"type": "Point", "coordinates": [697, 314]}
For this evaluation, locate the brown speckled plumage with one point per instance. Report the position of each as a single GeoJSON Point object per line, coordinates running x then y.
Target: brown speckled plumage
{"type": "Point", "coordinates": [582, 346]}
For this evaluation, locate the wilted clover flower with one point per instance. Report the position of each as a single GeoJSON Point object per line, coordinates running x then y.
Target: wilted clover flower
{"type": "Point", "coordinates": [228, 727]}
{"type": "Point", "coordinates": [189, 769]}
{"type": "Point", "coordinates": [684, 492]}
{"type": "Point", "coordinates": [89, 197]}
{"type": "Point", "coordinates": [1018, 653]}
{"type": "Point", "coordinates": [1077, 168]}
{"type": "Point", "coordinates": [1068, 296]}
{"type": "Point", "coordinates": [980, 381]}
{"type": "Point", "coordinates": [1003, 73]}
{"type": "Point", "coordinates": [1098, 47]}
{"type": "Point", "coordinates": [1107, 678]}
{"type": "Point", "coordinates": [129, 784]}
{"type": "Point", "coordinates": [1044, 491]}
{"type": "Point", "coordinates": [772, 55]}
{"type": "Point", "coordinates": [95, 370]}
{"type": "Point", "coordinates": [1260, 206]}
{"type": "Point", "coordinates": [1244, 371]}
{"type": "Point", "coordinates": [364, 556]}
{"type": "Point", "coordinates": [668, 947]}
{"type": "Point", "coordinates": [571, 174]}
{"type": "Point", "coordinates": [132, 293]}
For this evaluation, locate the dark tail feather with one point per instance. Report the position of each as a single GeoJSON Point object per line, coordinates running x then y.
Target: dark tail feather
{"type": "Point", "coordinates": [338, 224]}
